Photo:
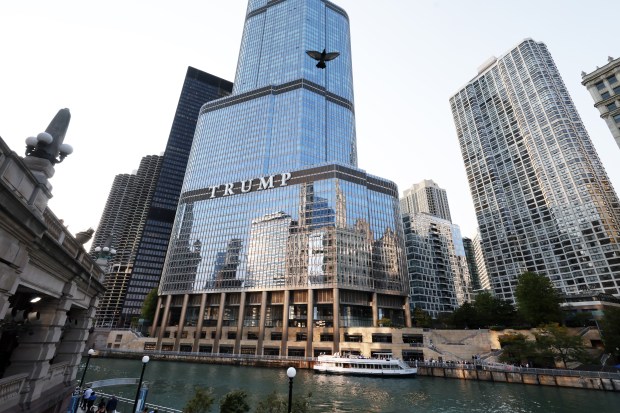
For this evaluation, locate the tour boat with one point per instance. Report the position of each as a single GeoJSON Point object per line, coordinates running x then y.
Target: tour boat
{"type": "Point", "coordinates": [361, 366]}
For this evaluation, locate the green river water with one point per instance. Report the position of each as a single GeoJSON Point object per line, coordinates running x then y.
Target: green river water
{"type": "Point", "coordinates": [172, 384]}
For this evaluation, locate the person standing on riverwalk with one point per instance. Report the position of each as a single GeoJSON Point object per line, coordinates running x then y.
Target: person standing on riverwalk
{"type": "Point", "coordinates": [85, 397]}
{"type": "Point", "coordinates": [110, 407]}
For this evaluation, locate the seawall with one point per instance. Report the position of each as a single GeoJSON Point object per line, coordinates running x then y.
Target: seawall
{"type": "Point", "coordinates": [588, 380]}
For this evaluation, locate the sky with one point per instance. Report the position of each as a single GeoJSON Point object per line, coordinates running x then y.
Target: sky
{"type": "Point", "coordinates": [119, 66]}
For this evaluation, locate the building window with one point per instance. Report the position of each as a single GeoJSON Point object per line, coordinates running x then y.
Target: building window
{"type": "Point", "coordinates": [600, 85]}
{"type": "Point", "coordinates": [605, 95]}
{"type": "Point", "coordinates": [381, 338]}
{"type": "Point", "coordinates": [301, 337]}
{"type": "Point", "coordinates": [353, 338]}
{"type": "Point", "coordinates": [252, 335]}
{"type": "Point", "coordinates": [617, 90]}
{"type": "Point", "coordinates": [232, 335]}
{"type": "Point", "coordinates": [327, 337]}
{"type": "Point", "coordinates": [617, 118]}
{"type": "Point", "coordinates": [611, 106]}
{"type": "Point", "coordinates": [612, 80]}
{"type": "Point", "coordinates": [276, 336]}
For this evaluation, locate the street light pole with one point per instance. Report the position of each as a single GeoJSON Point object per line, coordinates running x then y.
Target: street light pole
{"type": "Point", "coordinates": [90, 353]}
{"type": "Point", "coordinates": [145, 360]}
{"type": "Point", "coordinates": [291, 372]}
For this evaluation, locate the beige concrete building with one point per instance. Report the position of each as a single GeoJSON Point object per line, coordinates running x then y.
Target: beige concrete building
{"type": "Point", "coordinates": [48, 288]}
{"type": "Point", "coordinates": [604, 86]}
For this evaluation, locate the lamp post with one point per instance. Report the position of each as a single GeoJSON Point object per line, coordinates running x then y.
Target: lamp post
{"type": "Point", "coordinates": [90, 353]}
{"type": "Point", "coordinates": [145, 360]}
{"type": "Point", "coordinates": [291, 372]}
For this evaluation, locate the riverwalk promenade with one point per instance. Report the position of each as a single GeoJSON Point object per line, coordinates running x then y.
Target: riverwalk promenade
{"type": "Point", "coordinates": [491, 372]}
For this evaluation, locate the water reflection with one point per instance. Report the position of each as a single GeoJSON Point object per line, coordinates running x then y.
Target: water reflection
{"type": "Point", "coordinates": [172, 384]}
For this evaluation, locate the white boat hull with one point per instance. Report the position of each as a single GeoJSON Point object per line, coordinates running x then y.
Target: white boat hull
{"type": "Point", "coordinates": [363, 367]}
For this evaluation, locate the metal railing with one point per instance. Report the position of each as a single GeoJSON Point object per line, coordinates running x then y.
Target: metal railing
{"type": "Point", "coordinates": [506, 368]}
{"type": "Point", "coordinates": [206, 355]}
{"type": "Point", "coordinates": [126, 405]}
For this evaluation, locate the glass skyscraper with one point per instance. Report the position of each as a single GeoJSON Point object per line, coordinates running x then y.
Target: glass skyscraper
{"type": "Point", "coordinates": [543, 200]}
{"type": "Point", "coordinates": [280, 242]}
{"type": "Point", "coordinates": [151, 244]}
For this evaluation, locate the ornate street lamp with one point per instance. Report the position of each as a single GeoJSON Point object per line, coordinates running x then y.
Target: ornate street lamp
{"type": "Point", "coordinates": [90, 353]}
{"type": "Point", "coordinates": [291, 372]}
{"type": "Point", "coordinates": [145, 360]}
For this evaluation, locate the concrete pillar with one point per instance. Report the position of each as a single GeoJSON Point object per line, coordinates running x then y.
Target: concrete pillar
{"type": "Point", "coordinates": [375, 311]}
{"type": "Point", "coordinates": [310, 323]}
{"type": "Point", "coordinates": [220, 319]}
{"type": "Point", "coordinates": [407, 313]}
{"type": "Point", "coordinates": [34, 352]}
{"type": "Point", "coordinates": [237, 349]}
{"type": "Point", "coordinates": [336, 320]}
{"type": "Point", "coordinates": [156, 318]}
{"type": "Point", "coordinates": [164, 322]}
{"type": "Point", "coordinates": [284, 346]}
{"type": "Point", "coordinates": [261, 323]}
{"type": "Point", "coordinates": [9, 281]}
{"type": "Point", "coordinates": [74, 338]}
{"type": "Point", "coordinates": [181, 326]}
{"type": "Point", "coordinates": [201, 314]}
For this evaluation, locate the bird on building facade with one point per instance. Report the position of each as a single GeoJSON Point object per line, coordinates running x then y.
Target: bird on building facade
{"type": "Point", "coordinates": [322, 57]}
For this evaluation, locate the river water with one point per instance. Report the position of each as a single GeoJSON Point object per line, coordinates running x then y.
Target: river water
{"type": "Point", "coordinates": [172, 384]}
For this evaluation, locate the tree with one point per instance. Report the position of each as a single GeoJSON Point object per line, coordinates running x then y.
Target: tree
{"type": "Point", "coordinates": [149, 305]}
{"type": "Point", "coordinates": [465, 316]}
{"type": "Point", "coordinates": [421, 318]}
{"type": "Point", "coordinates": [610, 331]}
{"type": "Point", "coordinates": [492, 311]}
{"type": "Point", "coordinates": [201, 402]}
{"type": "Point", "coordinates": [556, 341]}
{"type": "Point", "coordinates": [537, 301]}
{"type": "Point", "coordinates": [274, 403]}
{"type": "Point", "coordinates": [235, 402]}
{"type": "Point", "coordinates": [516, 349]}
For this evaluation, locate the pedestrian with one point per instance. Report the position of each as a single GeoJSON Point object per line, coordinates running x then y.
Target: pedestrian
{"type": "Point", "coordinates": [85, 397]}
{"type": "Point", "coordinates": [101, 406]}
{"type": "Point", "coordinates": [90, 402]}
{"type": "Point", "coordinates": [110, 407]}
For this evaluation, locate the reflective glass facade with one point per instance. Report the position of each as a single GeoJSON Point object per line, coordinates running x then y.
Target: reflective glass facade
{"type": "Point", "coordinates": [152, 243]}
{"type": "Point", "coordinates": [543, 200]}
{"type": "Point", "coordinates": [276, 226]}
{"type": "Point", "coordinates": [439, 278]}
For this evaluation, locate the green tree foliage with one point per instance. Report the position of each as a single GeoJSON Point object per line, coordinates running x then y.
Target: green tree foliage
{"type": "Point", "coordinates": [274, 403]}
{"type": "Point", "coordinates": [517, 349]}
{"type": "Point", "coordinates": [235, 401]}
{"type": "Point", "coordinates": [537, 301]}
{"type": "Point", "coordinates": [149, 305]}
{"type": "Point", "coordinates": [484, 312]}
{"type": "Point", "coordinates": [556, 341]}
{"type": "Point", "coordinates": [421, 318]}
{"type": "Point", "coordinates": [493, 311]}
{"type": "Point", "coordinates": [610, 326]}
{"type": "Point", "coordinates": [201, 402]}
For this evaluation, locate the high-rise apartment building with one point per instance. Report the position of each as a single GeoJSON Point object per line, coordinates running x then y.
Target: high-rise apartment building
{"type": "Point", "coordinates": [198, 88]}
{"type": "Point", "coordinates": [439, 279]}
{"type": "Point", "coordinates": [121, 225]}
{"type": "Point", "coordinates": [427, 197]}
{"type": "Point", "coordinates": [472, 265]}
{"type": "Point", "coordinates": [604, 86]}
{"type": "Point", "coordinates": [481, 264]}
{"type": "Point", "coordinates": [543, 200]}
{"type": "Point", "coordinates": [297, 245]}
